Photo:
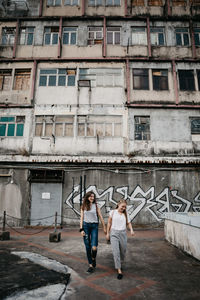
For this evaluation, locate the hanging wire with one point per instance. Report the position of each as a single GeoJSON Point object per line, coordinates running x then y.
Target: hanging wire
{"type": "Point", "coordinates": [23, 233]}
{"type": "Point", "coordinates": [21, 219]}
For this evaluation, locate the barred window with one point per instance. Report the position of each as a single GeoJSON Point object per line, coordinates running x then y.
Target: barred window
{"type": "Point", "coordinates": [142, 127]}
{"type": "Point", "coordinates": [12, 126]}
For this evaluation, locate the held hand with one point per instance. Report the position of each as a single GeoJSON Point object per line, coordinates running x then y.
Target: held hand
{"type": "Point", "coordinates": [105, 230]}
{"type": "Point", "coordinates": [132, 233]}
{"type": "Point", "coordinates": [107, 236]}
{"type": "Point", "coordinates": [83, 233]}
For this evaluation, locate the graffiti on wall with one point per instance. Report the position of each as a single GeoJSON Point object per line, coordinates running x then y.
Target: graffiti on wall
{"type": "Point", "coordinates": [167, 200]}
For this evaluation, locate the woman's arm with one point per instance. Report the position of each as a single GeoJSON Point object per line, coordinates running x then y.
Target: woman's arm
{"type": "Point", "coordinates": [109, 227]}
{"type": "Point", "coordinates": [131, 228]}
{"type": "Point", "coordinates": [102, 220]}
{"type": "Point", "coordinates": [81, 223]}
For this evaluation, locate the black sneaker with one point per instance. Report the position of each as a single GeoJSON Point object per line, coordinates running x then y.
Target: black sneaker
{"type": "Point", "coordinates": [119, 276]}
{"type": "Point", "coordinates": [90, 270]}
{"type": "Point", "coordinates": [94, 263]}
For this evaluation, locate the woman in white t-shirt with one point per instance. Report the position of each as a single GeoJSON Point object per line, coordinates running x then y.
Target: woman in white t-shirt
{"type": "Point", "coordinates": [116, 232]}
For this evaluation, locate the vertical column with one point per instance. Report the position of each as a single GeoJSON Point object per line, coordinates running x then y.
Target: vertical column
{"type": "Point", "coordinates": [125, 8]}
{"type": "Point", "coordinates": [104, 37]}
{"type": "Point", "coordinates": [148, 38]}
{"type": "Point", "coordinates": [16, 39]}
{"type": "Point", "coordinates": [60, 38]}
{"type": "Point", "coordinates": [169, 11]}
{"type": "Point", "coordinates": [128, 81]}
{"type": "Point", "coordinates": [175, 82]}
{"type": "Point", "coordinates": [33, 80]}
{"type": "Point", "coordinates": [83, 8]}
{"type": "Point", "coordinates": [40, 8]}
{"type": "Point", "coordinates": [192, 40]}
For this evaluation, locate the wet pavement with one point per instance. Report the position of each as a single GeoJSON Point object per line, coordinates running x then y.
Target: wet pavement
{"type": "Point", "coordinates": [154, 269]}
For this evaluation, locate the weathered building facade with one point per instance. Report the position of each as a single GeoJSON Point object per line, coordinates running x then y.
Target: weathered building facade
{"type": "Point", "coordinates": [99, 95]}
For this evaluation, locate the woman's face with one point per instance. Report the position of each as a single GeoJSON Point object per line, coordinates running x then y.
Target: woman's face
{"type": "Point", "coordinates": [122, 207]}
{"type": "Point", "coordinates": [91, 198]}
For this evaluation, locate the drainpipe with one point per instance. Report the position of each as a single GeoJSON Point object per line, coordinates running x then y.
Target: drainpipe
{"type": "Point", "coordinates": [40, 8]}
{"type": "Point", "coordinates": [83, 8]}
{"type": "Point", "coordinates": [192, 40]}
{"type": "Point", "coordinates": [125, 8]}
{"type": "Point", "coordinates": [60, 38]}
{"type": "Point", "coordinates": [175, 82]}
{"type": "Point", "coordinates": [148, 38]}
{"type": "Point", "coordinates": [33, 81]}
{"type": "Point", "coordinates": [16, 39]}
{"type": "Point", "coordinates": [128, 81]}
{"type": "Point", "coordinates": [104, 37]}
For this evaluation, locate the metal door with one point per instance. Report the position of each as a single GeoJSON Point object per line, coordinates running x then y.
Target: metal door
{"type": "Point", "coordinates": [46, 201]}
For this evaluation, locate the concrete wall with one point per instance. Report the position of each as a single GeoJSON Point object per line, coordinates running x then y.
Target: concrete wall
{"type": "Point", "coordinates": [170, 133]}
{"type": "Point", "coordinates": [150, 191]}
{"type": "Point", "coordinates": [183, 231]}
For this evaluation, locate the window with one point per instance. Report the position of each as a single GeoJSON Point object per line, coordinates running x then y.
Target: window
{"type": "Point", "coordinates": [197, 36]}
{"type": "Point", "coordinates": [155, 2]}
{"type": "Point", "coordinates": [58, 126]}
{"type": "Point", "coordinates": [95, 2]}
{"type": "Point", "coordinates": [5, 80]}
{"type": "Point", "coordinates": [157, 36]}
{"type": "Point", "coordinates": [71, 2]}
{"type": "Point", "coordinates": [142, 127]}
{"type": "Point", "coordinates": [195, 125]}
{"type": "Point", "coordinates": [57, 77]}
{"type": "Point", "coordinates": [51, 35]}
{"type": "Point", "coordinates": [22, 79]}
{"type": "Point", "coordinates": [101, 126]}
{"type": "Point", "coordinates": [12, 126]}
{"type": "Point", "coordinates": [182, 37]}
{"type": "Point", "coordinates": [101, 77]}
{"type": "Point", "coordinates": [113, 35]}
{"type": "Point", "coordinates": [95, 35]}
{"type": "Point", "coordinates": [186, 80]}
{"type": "Point", "coordinates": [69, 35]}
{"type": "Point", "coordinates": [26, 36]}
{"type": "Point", "coordinates": [113, 2]}
{"type": "Point", "coordinates": [138, 2]}
{"type": "Point", "coordinates": [179, 2]}
{"type": "Point", "coordinates": [139, 36]}
{"type": "Point", "coordinates": [198, 79]}
{"type": "Point", "coordinates": [8, 36]}
{"type": "Point", "coordinates": [141, 79]}
{"type": "Point", "coordinates": [160, 80]}
{"type": "Point", "coordinates": [53, 2]}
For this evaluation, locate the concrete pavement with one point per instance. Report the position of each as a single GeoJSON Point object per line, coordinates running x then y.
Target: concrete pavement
{"type": "Point", "coordinates": [154, 269]}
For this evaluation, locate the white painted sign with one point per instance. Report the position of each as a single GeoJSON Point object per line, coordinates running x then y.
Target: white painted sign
{"type": "Point", "coordinates": [46, 196]}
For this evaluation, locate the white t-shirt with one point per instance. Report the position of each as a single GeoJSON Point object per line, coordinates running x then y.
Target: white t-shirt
{"type": "Point", "coordinates": [90, 216]}
{"type": "Point", "coordinates": [118, 220]}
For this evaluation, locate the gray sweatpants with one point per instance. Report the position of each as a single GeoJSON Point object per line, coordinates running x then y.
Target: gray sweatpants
{"type": "Point", "coordinates": [118, 239]}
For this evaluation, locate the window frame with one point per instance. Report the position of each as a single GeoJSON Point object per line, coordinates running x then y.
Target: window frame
{"type": "Point", "coordinates": [95, 40]}
{"type": "Point", "coordinates": [51, 33]}
{"type": "Point", "coordinates": [157, 31]}
{"type": "Point", "coordinates": [25, 75]}
{"type": "Point", "coordinates": [183, 82]}
{"type": "Point", "coordinates": [142, 76]}
{"type": "Point", "coordinates": [10, 37]}
{"type": "Point", "coordinates": [144, 36]}
{"type": "Point", "coordinates": [197, 35]}
{"type": "Point", "coordinates": [193, 131]}
{"type": "Point", "coordinates": [179, 34]}
{"type": "Point", "coordinates": [114, 35]}
{"type": "Point", "coordinates": [4, 75]}
{"type": "Point", "coordinates": [70, 31]}
{"type": "Point", "coordinates": [72, 3]}
{"type": "Point", "coordinates": [160, 79]}
{"type": "Point", "coordinates": [54, 4]}
{"type": "Point", "coordinates": [15, 124]}
{"type": "Point", "coordinates": [56, 75]}
{"type": "Point", "coordinates": [26, 35]}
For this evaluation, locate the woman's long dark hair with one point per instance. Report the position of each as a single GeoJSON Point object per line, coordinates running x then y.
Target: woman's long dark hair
{"type": "Point", "coordinates": [86, 202]}
{"type": "Point", "coordinates": [124, 212]}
